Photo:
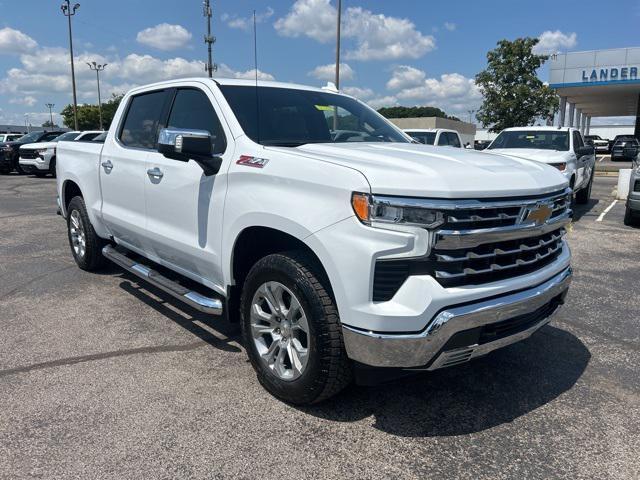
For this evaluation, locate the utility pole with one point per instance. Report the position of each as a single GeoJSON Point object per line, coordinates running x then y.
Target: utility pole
{"type": "Point", "coordinates": [471, 112]}
{"type": "Point", "coordinates": [98, 68]}
{"type": "Point", "coordinates": [337, 82]}
{"type": "Point", "coordinates": [69, 11]}
{"type": "Point", "coordinates": [209, 39]}
{"type": "Point", "coordinates": [27, 124]}
{"type": "Point", "coordinates": [50, 106]}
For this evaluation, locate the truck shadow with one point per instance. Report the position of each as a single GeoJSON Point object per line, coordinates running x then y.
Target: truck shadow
{"type": "Point", "coordinates": [580, 210]}
{"type": "Point", "coordinates": [217, 332]}
{"type": "Point", "coordinates": [483, 394]}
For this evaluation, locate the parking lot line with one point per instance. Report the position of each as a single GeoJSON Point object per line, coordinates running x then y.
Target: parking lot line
{"type": "Point", "coordinates": [606, 210]}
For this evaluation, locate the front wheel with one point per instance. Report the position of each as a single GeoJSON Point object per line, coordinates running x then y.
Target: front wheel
{"type": "Point", "coordinates": [86, 246]}
{"type": "Point", "coordinates": [631, 219]}
{"type": "Point", "coordinates": [291, 329]}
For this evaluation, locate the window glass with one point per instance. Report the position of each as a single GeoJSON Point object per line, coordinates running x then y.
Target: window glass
{"type": "Point", "coordinates": [453, 140]}
{"type": "Point", "coordinates": [66, 137]}
{"type": "Point", "coordinates": [140, 128]}
{"type": "Point", "coordinates": [443, 140]}
{"type": "Point", "coordinates": [294, 117]}
{"type": "Point", "coordinates": [89, 136]}
{"type": "Point", "coordinates": [49, 136]}
{"type": "Point", "coordinates": [539, 139]}
{"type": "Point", "coordinates": [424, 137]}
{"type": "Point", "coordinates": [577, 141]}
{"type": "Point", "coordinates": [192, 110]}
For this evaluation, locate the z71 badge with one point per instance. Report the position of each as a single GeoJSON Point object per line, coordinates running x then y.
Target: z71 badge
{"type": "Point", "coordinates": [249, 161]}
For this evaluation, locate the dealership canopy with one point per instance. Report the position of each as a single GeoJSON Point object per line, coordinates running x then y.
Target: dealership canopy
{"type": "Point", "coordinates": [600, 83]}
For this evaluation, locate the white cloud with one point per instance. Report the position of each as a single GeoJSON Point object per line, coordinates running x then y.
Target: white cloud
{"type": "Point", "coordinates": [552, 42]}
{"type": "Point", "coordinates": [246, 23]}
{"type": "Point", "coordinates": [27, 100]}
{"type": "Point", "coordinates": [164, 37]}
{"type": "Point", "coordinates": [360, 93]}
{"type": "Point", "coordinates": [376, 36]}
{"type": "Point", "coordinates": [226, 71]}
{"type": "Point", "coordinates": [14, 41]}
{"type": "Point", "coordinates": [450, 26]}
{"type": "Point", "coordinates": [328, 72]}
{"type": "Point", "coordinates": [146, 68]}
{"type": "Point", "coordinates": [452, 92]}
{"type": "Point", "coordinates": [379, 102]}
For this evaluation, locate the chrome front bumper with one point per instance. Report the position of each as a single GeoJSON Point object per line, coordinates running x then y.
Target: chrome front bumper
{"type": "Point", "coordinates": [428, 349]}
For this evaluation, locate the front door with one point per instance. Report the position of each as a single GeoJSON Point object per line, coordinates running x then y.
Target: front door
{"type": "Point", "coordinates": [184, 206]}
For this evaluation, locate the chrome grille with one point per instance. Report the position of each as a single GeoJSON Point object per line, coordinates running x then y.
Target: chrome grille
{"type": "Point", "coordinates": [28, 154]}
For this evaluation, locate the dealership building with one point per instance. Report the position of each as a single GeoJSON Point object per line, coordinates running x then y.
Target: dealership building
{"type": "Point", "coordinates": [600, 83]}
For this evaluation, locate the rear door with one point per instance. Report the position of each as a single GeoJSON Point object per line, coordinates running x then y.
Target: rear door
{"type": "Point", "coordinates": [184, 207]}
{"type": "Point", "coordinates": [123, 169]}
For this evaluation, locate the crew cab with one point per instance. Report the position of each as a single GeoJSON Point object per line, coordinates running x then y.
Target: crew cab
{"type": "Point", "coordinates": [341, 256]}
{"type": "Point", "coordinates": [9, 151]}
{"type": "Point", "coordinates": [40, 158]}
{"type": "Point", "coordinates": [440, 137]}
{"type": "Point", "coordinates": [561, 147]}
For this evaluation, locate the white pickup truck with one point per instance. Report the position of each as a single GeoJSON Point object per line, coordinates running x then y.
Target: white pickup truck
{"type": "Point", "coordinates": [341, 255]}
{"type": "Point", "coordinates": [561, 147]}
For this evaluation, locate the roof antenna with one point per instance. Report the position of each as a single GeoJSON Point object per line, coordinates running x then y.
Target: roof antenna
{"type": "Point", "coordinates": [255, 64]}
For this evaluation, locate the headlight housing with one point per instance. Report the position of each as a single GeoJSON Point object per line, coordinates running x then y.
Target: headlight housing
{"type": "Point", "coordinates": [377, 209]}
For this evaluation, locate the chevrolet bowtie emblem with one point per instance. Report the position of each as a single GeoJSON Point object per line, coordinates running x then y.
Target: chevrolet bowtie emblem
{"type": "Point", "coordinates": [538, 214]}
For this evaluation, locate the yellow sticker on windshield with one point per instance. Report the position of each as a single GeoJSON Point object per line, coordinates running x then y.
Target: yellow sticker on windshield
{"type": "Point", "coordinates": [324, 108]}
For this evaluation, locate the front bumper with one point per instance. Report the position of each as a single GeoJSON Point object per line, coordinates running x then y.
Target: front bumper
{"type": "Point", "coordinates": [30, 165]}
{"type": "Point", "coordinates": [459, 333]}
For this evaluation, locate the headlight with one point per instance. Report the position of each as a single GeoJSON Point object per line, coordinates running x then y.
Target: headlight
{"type": "Point", "coordinates": [394, 211]}
{"type": "Point", "coordinates": [560, 166]}
{"type": "Point", "coordinates": [41, 150]}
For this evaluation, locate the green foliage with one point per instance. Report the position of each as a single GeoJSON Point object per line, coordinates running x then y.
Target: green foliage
{"type": "Point", "coordinates": [413, 112]}
{"type": "Point", "coordinates": [514, 96]}
{"type": "Point", "coordinates": [89, 116]}
{"type": "Point", "coordinates": [49, 124]}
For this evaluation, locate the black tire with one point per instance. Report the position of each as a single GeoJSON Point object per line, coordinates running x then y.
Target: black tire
{"type": "Point", "coordinates": [583, 195]}
{"type": "Point", "coordinates": [5, 171]}
{"type": "Point", "coordinates": [40, 174]}
{"type": "Point", "coordinates": [52, 167]}
{"type": "Point", "coordinates": [19, 169]}
{"type": "Point", "coordinates": [328, 369]}
{"type": "Point", "coordinates": [631, 219]}
{"type": "Point", "coordinates": [92, 259]}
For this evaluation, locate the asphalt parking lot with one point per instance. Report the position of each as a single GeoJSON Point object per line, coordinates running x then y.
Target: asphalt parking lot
{"type": "Point", "coordinates": [102, 377]}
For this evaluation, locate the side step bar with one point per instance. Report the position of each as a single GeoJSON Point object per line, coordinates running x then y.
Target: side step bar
{"type": "Point", "coordinates": [204, 304]}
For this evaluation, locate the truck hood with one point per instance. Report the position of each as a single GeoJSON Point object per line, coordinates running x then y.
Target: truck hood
{"type": "Point", "coordinates": [38, 146]}
{"type": "Point", "coordinates": [537, 154]}
{"type": "Point", "coordinates": [407, 169]}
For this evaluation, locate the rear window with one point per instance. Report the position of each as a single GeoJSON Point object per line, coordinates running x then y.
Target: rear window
{"type": "Point", "coordinates": [140, 127]}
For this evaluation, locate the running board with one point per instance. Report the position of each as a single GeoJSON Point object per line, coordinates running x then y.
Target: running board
{"type": "Point", "coordinates": [201, 303]}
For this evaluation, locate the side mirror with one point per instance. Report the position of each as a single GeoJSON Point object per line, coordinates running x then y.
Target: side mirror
{"type": "Point", "coordinates": [589, 142]}
{"type": "Point", "coordinates": [630, 152]}
{"type": "Point", "coordinates": [585, 150]}
{"type": "Point", "coordinates": [184, 145]}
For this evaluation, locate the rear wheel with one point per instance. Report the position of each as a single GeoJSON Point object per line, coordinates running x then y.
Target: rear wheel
{"type": "Point", "coordinates": [291, 329]}
{"type": "Point", "coordinates": [86, 246]}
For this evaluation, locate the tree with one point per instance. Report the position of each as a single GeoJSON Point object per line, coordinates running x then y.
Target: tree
{"type": "Point", "coordinates": [49, 124]}
{"type": "Point", "coordinates": [413, 112]}
{"type": "Point", "coordinates": [514, 96]}
{"type": "Point", "coordinates": [89, 116]}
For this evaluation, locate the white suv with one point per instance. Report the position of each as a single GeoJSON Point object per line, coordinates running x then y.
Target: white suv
{"type": "Point", "coordinates": [561, 147]}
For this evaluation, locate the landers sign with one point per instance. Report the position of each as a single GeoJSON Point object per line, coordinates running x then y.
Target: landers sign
{"type": "Point", "coordinates": [610, 74]}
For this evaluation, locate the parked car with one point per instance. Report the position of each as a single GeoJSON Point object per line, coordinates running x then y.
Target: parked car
{"type": "Point", "coordinates": [481, 144]}
{"type": "Point", "coordinates": [9, 137]}
{"type": "Point", "coordinates": [624, 147]}
{"type": "Point", "coordinates": [9, 151]}
{"type": "Point", "coordinates": [560, 147]}
{"type": "Point", "coordinates": [40, 158]}
{"type": "Point", "coordinates": [439, 137]}
{"type": "Point", "coordinates": [632, 211]}
{"type": "Point", "coordinates": [337, 257]}
{"type": "Point", "coordinates": [600, 144]}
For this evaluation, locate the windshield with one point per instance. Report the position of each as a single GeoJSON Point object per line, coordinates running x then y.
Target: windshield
{"type": "Point", "coordinates": [30, 137]}
{"type": "Point", "coordinates": [291, 117]}
{"type": "Point", "coordinates": [66, 137]}
{"type": "Point", "coordinates": [592, 137]}
{"type": "Point", "coordinates": [539, 139]}
{"type": "Point", "coordinates": [427, 138]}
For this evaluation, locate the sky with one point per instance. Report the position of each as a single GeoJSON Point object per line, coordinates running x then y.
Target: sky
{"type": "Point", "coordinates": [400, 52]}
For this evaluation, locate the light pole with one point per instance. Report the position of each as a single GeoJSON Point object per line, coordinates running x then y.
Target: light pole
{"type": "Point", "coordinates": [26, 122]}
{"type": "Point", "coordinates": [69, 11]}
{"type": "Point", "coordinates": [337, 82]}
{"type": "Point", "coordinates": [471, 112]}
{"type": "Point", "coordinates": [98, 68]}
{"type": "Point", "coordinates": [50, 106]}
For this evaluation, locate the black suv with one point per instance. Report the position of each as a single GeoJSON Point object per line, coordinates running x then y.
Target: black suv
{"type": "Point", "coordinates": [625, 147]}
{"type": "Point", "coordinates": [9, 151]}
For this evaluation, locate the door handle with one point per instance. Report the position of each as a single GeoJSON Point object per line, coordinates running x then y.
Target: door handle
{"type": "Point", "coordinates": [155, 173]}
{"type": "Point", "coordinates": [107, 165]}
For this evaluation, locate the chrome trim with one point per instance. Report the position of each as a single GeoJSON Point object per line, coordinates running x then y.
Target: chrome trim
{"type": "Point", "coordinates": [411, 350]}
{"type": "Point", "coordinates": [201, 303]}
{"type": "Point", "coordinates": [466, 204]}
{"type": "Point", "coordinates": [457, 239]}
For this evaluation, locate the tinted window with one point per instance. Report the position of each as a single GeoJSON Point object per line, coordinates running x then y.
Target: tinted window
{"type": "Point", "coordinates": [88, 137]}
{"type": "Point", "coordinates": [443, 140]}
{"type": "Point", "coordinates": [542, 139]}
{"type": "Point", "coordinates": [47, 137]}
{"type": "Point", "coordinates": [453, 139]}
{"type": "Point", "coordinates": [577, 141]}
{"type": "Point", "coordinates": [140, 128]}
{"type": "Point", "coordinates": [66, 137]}
{"type": "Point", "coordinates": [192, 110]}
{"type": "Point", "coordinates": [424, 137]}
{"type": "Point", "coordinates": [100, 138]}
{"type": "Point", "coordinates": [293, 117]}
